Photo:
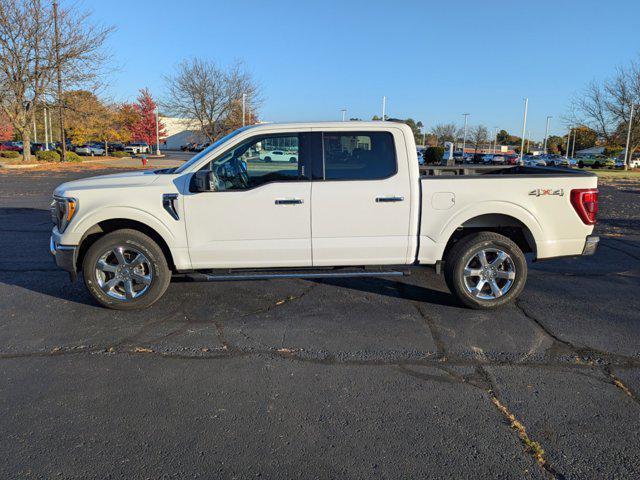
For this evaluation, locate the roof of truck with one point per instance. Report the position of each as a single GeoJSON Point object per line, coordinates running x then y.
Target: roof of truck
{"type": "Point", "coordinates": [349, 124]}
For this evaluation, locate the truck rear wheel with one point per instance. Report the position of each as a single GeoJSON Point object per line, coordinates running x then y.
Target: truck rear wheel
{"type": "Point", "coordinates": [485, 270]}
{"type": "Point", "coordinates": [126, 270]}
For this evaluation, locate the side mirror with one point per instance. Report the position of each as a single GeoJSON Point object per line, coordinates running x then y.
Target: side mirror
{"type": "Point", "coordinates": [203, 181]}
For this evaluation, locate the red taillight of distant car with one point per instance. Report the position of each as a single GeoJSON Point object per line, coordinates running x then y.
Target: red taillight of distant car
{"type": "Point", "coordinates": [585, 203]}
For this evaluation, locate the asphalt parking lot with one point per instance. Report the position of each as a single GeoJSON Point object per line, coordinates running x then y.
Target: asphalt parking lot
{"type": "Point", "coordinates": [354, 378]}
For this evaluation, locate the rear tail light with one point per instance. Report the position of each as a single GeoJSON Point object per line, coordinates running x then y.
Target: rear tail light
{"type": "Point", "coordinates": [585, 203]}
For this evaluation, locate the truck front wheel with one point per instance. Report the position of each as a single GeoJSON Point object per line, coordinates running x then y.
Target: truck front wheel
{"type": "Point", "coordinates": [485, 270]}
{"type": "Point", "coordinates": [126, 270]}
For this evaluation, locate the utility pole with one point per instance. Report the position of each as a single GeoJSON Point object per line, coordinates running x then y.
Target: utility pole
{"type": "Point", "coordinates": [244, 109]}
{"type": "Point", "coordinates": [384, 108]}
{"type": "Point", "coordinates": [50, 129]}
{"type": "Point", "coordinates": [495, 139]}
{"type": "Point", "coordinates": [46, 133]}
{"type": "Point", "coordinates": [344, 114]}
{"type": "Point", "coordinates": [546, 134]}
{"type": "Point", "coordinates": [464, 137]}
{"type": "Point", "coordinates": [424, 136]}
{"type": "Point", "coordinates": [566, 154]}
{"type": "Point", "coordinates": [63, 140]}
{"type": "Point", "coordinates": [524, 128]}
{"type": "Point", "coordinates": [157, 132]}
{"type": "Point", "coordinates": [573, 150]}
{"type": "Point", "coordinates": [627, 152]}
{"type": "Point", "coordinates": [35, 129]}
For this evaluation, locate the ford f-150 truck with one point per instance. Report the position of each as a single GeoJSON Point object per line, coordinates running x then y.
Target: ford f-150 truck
{"type": "Point", "coordinates": [352, 203]}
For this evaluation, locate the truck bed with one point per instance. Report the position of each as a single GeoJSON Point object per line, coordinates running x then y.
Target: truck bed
{"type": "Point", "coordinates": [510, 170]}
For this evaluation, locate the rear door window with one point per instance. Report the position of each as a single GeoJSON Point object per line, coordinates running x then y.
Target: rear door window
{"type": "Point", "coordinates": [358, 155]}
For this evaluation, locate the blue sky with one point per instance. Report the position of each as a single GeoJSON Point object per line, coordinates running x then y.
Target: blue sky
{"type": "Point", "coordinates": [434, 60]}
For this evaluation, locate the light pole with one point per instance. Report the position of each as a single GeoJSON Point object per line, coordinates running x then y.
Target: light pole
{"type": "Point", "coordinates": [344, 114]}
{"type": "Point", "coordinates": [566, 153]}
{"type": "Point", "coordinates": [384, 108]}
{"type": "Point", "coordinates": [495, 139]}
{"type": "Point", "coordinates": [244, 108]}
{"type": "Point", "coordinates": [573, 149]}
{"type": "Point", "coordinates": [157, 131]}
{"type": "Point", "coordinates": [46, 133]}
{"type": "Point", "coordinates": [464, 137]}
{"type": "Point", "coordinates": [524, 128]}
{"type": "Point", "coordinates": [424, 136]}
{"type": "Point", "coordinates": [627, 152]}
{"type": "Point", "coordinates": [546, 134]}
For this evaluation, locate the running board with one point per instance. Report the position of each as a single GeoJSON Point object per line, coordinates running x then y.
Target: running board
{"type": "Point", "coordinates": [208, 277]}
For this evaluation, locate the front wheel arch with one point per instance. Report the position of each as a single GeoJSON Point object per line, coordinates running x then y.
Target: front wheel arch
{"type": "Point", "coordinates": [104, 227]}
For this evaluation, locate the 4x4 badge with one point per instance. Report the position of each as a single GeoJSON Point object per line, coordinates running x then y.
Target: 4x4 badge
{"type": "Point", "coordinates": [539, 192]}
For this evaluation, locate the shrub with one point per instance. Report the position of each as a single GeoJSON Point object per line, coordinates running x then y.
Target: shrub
{"type": "Point", "coordinates": [119, 154]}
{"type": "Point", "coordinates": [433, 155]}
{"type": "Point", "coordinates": [73, 157]}
{"type": "Point", "coordinates": [9, 154]}
{"type": "Point", "coordinates": [48, 156]}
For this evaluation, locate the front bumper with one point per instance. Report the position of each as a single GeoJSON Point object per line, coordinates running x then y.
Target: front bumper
{"type": "Point", "coordinates": [591, 245]}
{"type": "Point", "coordinates": [65, 257]}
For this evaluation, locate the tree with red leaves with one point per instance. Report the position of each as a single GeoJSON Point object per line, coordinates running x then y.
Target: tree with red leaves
{"type": "Point", "coordinates": [6, 128]}
{"type": "Point", "coordinates": [144, 129]}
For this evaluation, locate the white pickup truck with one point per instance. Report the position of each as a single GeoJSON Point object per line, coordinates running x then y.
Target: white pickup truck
{"type": "Point", "coordinates": [353, 203]}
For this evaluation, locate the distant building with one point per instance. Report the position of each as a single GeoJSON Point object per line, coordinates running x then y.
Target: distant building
{"type": "Point", "coordinates": [590, 151]}
{"type": "Point", "coordinates": [181, 131]}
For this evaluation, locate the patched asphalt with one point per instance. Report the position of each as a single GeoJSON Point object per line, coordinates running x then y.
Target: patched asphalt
{"type": "Point", "coordinates": [349, 378]}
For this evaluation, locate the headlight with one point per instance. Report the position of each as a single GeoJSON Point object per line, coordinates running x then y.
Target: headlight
{"type": "Point", "coordinates": [62, 211]}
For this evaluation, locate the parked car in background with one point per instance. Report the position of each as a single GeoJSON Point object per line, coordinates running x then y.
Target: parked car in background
{"type": "Point", "coordinates": [116, 147]}
{"type": "Point", "coordinates": [596, 161]}
{"type": "Point", "coordinates": [552, 160]}
{"type": "Point", "coordinates": [137, 148]}
{"type": "Point", "coordinates": [512, 159]}
{"type": "Point", "coordinates": [90, 149]}
{"type": "Point", "coordinates": [279, 156]}
{"type": "Point", "coordinates": [10, 147]}
{"type": "Point", "coordinates": [499, 160]}
{"type": "Point", "coordinates": [37, 147]}
{"type": "Point", "coordinates": [533, 161]}
{"type": "Point", "coordinates": [487, 159]}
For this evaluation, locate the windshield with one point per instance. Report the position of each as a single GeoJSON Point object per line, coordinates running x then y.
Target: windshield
{"type": "Point", "coordinates": [211, 147]}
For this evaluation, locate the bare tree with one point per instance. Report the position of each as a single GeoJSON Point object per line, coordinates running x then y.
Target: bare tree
{"type": "Point", "coordinates": [28, 60]}
{"type": "Point", "coordinates": [446, 132]}
{"type": "Point", "coordinates": [203, 91]}
{"type": "Point", "coordinates": [478, 136]}
{"type": "Point", "coordinates": [606, 108]}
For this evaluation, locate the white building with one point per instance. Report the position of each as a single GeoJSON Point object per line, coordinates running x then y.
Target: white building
{"type": "Point", "coordinates": [180, 131]}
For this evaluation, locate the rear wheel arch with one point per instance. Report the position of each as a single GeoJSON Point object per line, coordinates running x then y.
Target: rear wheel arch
{"type": "Point", "coordinates": [104, 227]}
{"type": "Point", "coordinates": [507, 225]}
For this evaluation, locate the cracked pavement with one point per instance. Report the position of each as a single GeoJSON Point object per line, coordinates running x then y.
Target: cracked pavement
{"type": "Point", "coordinates": [355, 378]}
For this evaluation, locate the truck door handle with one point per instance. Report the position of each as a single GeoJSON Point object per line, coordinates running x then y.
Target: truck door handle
{"type": "Point", "coordinates": [389, 199]}
{"type": "Point", "coordinates": [291, 201]}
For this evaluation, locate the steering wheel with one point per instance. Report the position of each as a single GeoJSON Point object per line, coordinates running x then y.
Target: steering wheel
{"type": "Point", "coordinates": [242, 177]}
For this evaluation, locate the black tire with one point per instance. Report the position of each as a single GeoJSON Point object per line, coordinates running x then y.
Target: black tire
{"type": "Point", "coordinates": [156, 265]}
{"type": "Point", "coordinates": [596, 165]}
{"type": "Point", "coordinates": [581, 164]}
{"type": "Point", "coordinates": [465, 250]}
{"type": "Point", "coordinates": [293, 160]}
{"type": "Point", "coordinates": [267, 159]}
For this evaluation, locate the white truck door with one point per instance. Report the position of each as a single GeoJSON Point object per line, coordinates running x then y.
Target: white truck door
{"type": "Point", "coordinates": [361, 204]}
{"type": "Point", "coordinates": [260, 213]}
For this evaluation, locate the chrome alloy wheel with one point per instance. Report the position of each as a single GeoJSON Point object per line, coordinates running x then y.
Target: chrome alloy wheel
{"type": "Point", "coordinates": [489, 274]}
{"type": "Point", "coordinates": [124, 273]}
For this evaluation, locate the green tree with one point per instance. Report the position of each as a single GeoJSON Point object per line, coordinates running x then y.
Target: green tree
{"type": "Point", "coordinates": [433, 155]}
